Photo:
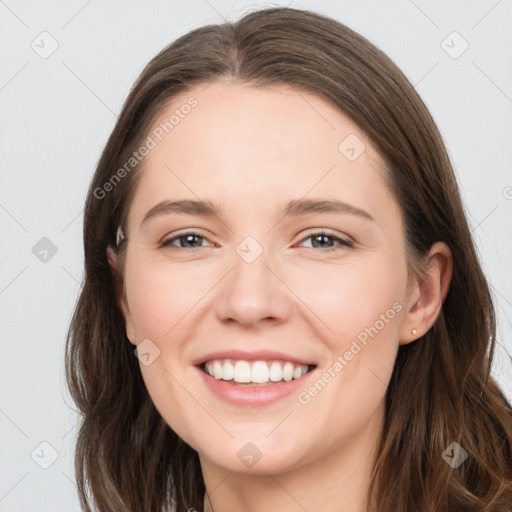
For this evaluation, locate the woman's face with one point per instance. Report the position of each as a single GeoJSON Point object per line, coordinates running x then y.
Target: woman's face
{"type": "Point", "coordinates": [257, 292]}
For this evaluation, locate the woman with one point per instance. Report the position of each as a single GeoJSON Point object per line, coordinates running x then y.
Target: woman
{"type": "Point", "coordinates": [327, 343]}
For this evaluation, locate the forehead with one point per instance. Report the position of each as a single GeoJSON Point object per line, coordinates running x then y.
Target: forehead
{"type": "Point", "coordinates": [255, 146]}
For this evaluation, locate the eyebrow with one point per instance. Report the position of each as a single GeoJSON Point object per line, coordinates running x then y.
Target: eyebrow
{"type": "Point", "coordinates": [294, 208]}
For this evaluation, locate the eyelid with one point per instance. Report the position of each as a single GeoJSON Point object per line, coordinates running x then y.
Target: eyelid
{"type": "Point", "coordinates": [166, 242]}
{"type": "Point", "coordinates": [327, 232]}
{"type": "Point", "coordinates": [344, 241]}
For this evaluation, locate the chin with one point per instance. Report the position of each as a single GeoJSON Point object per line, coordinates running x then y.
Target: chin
{"type": "Point", "coordinates": [254, 455]}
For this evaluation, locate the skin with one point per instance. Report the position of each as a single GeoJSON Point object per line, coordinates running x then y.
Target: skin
{"type": "Point", "coordinates": [251, 150]}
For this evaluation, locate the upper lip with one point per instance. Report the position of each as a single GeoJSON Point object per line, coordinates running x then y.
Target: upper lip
{"type": "Point", "coordinates": [257, 355]}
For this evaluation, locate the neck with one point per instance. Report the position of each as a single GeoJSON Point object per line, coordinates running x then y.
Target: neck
{"type": "Point", "coordinates": [337, 481]}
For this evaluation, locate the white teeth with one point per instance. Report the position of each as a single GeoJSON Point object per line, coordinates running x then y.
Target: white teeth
{"type": "Point", "coordinates": [217, 370]}
{"type": "Point", "coordinates": [228, 371]}
{"type": "Point", "coordinates": [276, 372]}
{"type": "Point", "coordinates": [242, 372]}
{"type": "Point", "coordinates": [288, 371]}
{"type": "Point", "coordinates": [259, 372]}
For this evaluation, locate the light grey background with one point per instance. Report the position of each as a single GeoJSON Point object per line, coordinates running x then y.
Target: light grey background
{"type": "Point", "coordinates": [57, 112]}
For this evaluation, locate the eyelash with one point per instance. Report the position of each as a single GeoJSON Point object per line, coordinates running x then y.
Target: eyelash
{"type": "Point", "coordinates": [342, 241]}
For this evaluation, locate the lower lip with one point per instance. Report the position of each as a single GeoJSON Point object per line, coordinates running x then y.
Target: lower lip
{"type": "Point", "coordinates": [253, 396]}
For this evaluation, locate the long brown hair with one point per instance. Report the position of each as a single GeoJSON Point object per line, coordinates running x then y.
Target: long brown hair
{"type": "Point", "coordinates": [127, 457]}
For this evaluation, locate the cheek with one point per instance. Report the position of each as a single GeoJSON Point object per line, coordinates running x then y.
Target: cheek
{"type": "Point", "coordinates": [159, 299]}
{"type": "Point", "coordinates": [160, 296]}
{"type": "Point", "coordinates": [359, 307]}
{"type": "Point", "coordinates": [344, 298]}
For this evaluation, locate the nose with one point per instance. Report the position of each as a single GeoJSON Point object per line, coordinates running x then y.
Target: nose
{"type": "Point", "coordinates": [252, 292]}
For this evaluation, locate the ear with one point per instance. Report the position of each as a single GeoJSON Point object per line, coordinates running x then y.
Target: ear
{"type": "Point", "coordinates": [113, 259]}
{"type": "Point", "coordinates": [427, 293]}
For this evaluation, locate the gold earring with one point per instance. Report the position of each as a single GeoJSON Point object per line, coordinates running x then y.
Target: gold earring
{"type": "Point", "coordinates": [413, 332]}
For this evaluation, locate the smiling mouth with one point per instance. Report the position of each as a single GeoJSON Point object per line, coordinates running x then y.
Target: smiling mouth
{"type": "Point", "coordinates": [255, 373]}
